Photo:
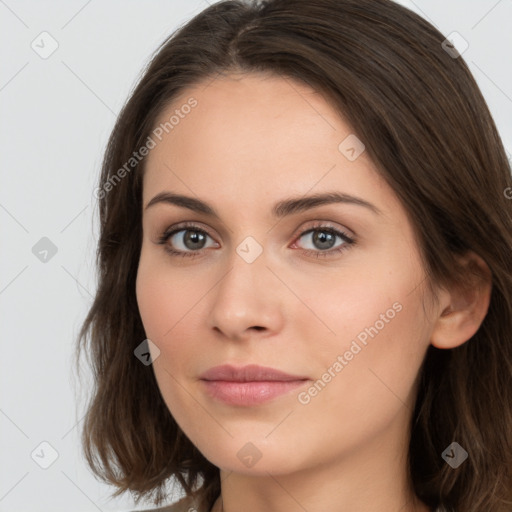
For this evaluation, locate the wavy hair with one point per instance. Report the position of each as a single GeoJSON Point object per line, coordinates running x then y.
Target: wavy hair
{"type": "Point", "coordinates": [428, 129]}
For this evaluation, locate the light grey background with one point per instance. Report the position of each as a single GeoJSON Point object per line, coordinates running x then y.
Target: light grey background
{"type": "Point", "coordinates": [56, 114]}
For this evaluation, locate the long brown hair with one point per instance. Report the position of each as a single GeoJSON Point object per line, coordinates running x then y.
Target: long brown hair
{"type": "Point", "coordinates": [428, 130]}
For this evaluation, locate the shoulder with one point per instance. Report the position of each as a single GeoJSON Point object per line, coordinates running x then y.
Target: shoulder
{"type": "Point", "coordinates": [186, 504]}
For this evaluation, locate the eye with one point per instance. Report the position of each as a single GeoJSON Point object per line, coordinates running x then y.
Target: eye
{"type": "Point", "coordinates": [186, 240]}
{"type": "Point", "coordinates": [189, 240]}
{"type": "Point", "coordinates": [323, 239]}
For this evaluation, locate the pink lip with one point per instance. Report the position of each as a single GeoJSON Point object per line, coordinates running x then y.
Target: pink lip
{"type": "Point", "coordinates": [249, 385]}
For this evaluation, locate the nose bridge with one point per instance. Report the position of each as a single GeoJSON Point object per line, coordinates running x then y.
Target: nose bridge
{"type": "Point", "coordinates": [246, 295]}
{"type": "Point", "coordinates": [246, 273]}
{"type": "Point", "coordinates": [247, 264]}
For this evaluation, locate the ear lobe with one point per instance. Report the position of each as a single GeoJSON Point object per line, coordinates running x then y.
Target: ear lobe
{"type": "Point", "coordinates": [467, 306]}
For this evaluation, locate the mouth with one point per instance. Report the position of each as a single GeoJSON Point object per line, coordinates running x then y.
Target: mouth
{"type": "Point", "coordinates": [248, 385]}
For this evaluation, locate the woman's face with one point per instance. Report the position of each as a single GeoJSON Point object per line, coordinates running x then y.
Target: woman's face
{"type": "Point", "coordinates": [256, 286]}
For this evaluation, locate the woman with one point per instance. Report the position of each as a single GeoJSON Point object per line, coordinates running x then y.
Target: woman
{"type": "Point", "coordinates": [305, 287]}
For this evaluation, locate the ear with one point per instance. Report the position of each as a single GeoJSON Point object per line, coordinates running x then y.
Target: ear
{"type": "Point", "coordinates": [463, 307]}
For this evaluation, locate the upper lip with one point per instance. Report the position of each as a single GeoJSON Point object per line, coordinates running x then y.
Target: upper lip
{"type": "Point", "coordinates": [249, 373]}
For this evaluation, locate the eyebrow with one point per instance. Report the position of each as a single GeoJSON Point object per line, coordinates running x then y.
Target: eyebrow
{"type": "Point", "coordinates": [281, 209]}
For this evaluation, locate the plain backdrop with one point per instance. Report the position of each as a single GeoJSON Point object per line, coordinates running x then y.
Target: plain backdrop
{"type": "Point", "coordinates": [56, 114]}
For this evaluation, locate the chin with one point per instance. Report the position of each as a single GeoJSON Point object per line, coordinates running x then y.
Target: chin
{"type": "Point", "coordinates": [255, 458]}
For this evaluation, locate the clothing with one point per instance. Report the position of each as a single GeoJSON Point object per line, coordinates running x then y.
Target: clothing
{"type": "Point", "coordinates": [189, 505]}
{"type": "Point", "coordinates": [186, 504]}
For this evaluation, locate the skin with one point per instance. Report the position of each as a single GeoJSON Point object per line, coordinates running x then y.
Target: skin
{"type": "Point", "coordinates": [253, 140]}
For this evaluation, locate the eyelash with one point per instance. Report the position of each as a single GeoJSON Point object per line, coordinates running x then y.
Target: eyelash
{"type": "Point", "coordinates": [349, 241]}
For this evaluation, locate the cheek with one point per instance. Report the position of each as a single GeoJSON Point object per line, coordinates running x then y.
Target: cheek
{"type": "Point", "coordinates": [379, 298]}
{"type": "Point", "coordinates": [366, 371]}
{"type": "Point", "coordinates": [375, 321]}
{"type": "Point", "coordinates": [169, 302]}
{"type": "Point", "coordinates": [163, 297]}
{"type": "Point", "coordinates": [150, 300]}
{"type": "Point", "coordinates": [163, 303]}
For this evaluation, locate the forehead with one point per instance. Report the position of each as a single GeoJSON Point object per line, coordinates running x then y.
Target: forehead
{"type": "Point", "coordinates": [254, 135]}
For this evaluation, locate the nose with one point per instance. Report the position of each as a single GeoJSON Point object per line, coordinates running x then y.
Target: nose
{"type": "Point", "coordinates": [247, 301]}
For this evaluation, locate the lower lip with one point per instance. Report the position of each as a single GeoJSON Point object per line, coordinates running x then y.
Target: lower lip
{"type": "Point", "coordinates": [249, 393]}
